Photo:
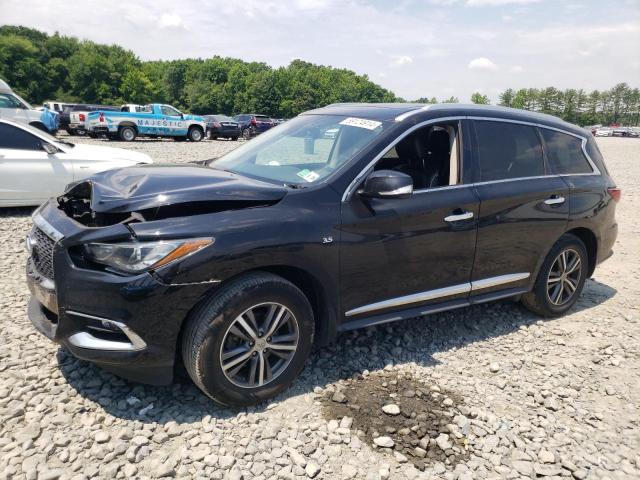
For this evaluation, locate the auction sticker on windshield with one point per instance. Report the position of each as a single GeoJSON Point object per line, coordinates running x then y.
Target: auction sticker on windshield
{"type": "Point", "coordinates": [308, 175]}
{"type": "Point", "coordinates": [361, 123]}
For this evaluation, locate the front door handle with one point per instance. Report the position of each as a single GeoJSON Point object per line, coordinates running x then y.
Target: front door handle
{"type": "Point", "coordinates": [555, 200]}
{"type": "Point", "coordinates": [459, 216]}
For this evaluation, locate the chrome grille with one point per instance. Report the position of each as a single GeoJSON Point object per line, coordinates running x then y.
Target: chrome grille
{"type": "Point", "coordinates": [42, 253]}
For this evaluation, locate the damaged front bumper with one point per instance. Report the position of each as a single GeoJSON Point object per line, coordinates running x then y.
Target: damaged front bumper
{"type": "Point", "coordinates": [128, 324]}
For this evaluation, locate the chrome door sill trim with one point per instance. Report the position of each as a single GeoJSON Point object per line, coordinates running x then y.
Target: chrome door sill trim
{"type": "Point", "coordinates": [414, 298]}
{"type": "Point", "coordinates": [499, 280]}
{"type": "Point", "coordinates": [439, 293]}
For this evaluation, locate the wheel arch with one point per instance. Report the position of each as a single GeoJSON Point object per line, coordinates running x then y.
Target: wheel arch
{"type": "Point", "coordinates": [128, 124]}
{"type": "Point", "coordinates": [325, 318]}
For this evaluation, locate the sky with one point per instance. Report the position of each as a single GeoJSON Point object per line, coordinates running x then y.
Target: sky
{"type": "Point", "coordinates": [425, 48]}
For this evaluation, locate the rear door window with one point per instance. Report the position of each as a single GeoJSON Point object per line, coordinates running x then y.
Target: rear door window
{"type": "Point", "coordinates": [508, 150]}
{"type": "Point", "coordinates": [564, 153]}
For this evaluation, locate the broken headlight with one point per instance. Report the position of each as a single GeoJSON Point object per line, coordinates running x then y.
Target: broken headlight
{"type": "Point", "coordinates": [135, 257]}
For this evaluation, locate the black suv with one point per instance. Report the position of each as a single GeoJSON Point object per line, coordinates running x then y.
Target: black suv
{"type": "Point", "coordinates": [346, 216]}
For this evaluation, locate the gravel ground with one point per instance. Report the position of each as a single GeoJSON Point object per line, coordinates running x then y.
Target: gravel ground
{"type": "Point", "coordinates": [489, 391]}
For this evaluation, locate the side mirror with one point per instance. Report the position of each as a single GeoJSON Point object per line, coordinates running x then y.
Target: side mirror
{"type": "Point", "coordinates": [387, 184]}
{"type": "Point", "coordinates": [50, 149]}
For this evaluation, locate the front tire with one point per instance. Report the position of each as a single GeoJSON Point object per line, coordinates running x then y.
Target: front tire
{"type": "Point", "coordinates": [246, 133]}
{"type": "Point", "coordinates": [127, 134]}
{"type": "Point", "coordinates": [249, 340]}
{"type": "Point", "coordinates": [195, 134]}
{"type": "Point", "coordinates": [561, 278]}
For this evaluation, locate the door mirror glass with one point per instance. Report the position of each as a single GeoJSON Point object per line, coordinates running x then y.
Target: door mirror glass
{"type": "Point", "coordinates": [387, 184]}
{"type": "Point", "coordinates": [50, 149]}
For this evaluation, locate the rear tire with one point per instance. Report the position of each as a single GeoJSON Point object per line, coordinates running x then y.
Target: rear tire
{"type": "Point", "coordinates": [234, 139]}
{"type": "Point", "coordinates": [246, 133]}
{"type": "Point", "coordinates": [561, 278]}
{"type": "Point", "coordinates": [195, 134]}
{"type": "Point", "coordinates": [127, 134]}
{"type": "Point", "coordinates": [233, 328]}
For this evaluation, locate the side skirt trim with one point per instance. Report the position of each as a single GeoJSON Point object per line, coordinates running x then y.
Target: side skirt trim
{"type": "Point", "coordinates": [414, 312]}
{"type": "Point", "coordinates": [439, 293]}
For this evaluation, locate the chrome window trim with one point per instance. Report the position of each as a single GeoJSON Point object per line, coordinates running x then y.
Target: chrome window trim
{"type": "Point", "coordinates": [440, 293]}
{"type": "Point", "coordinates": [354, 183]}
{"type": "Point", "coordinates": [596, 170]}
{"type": "Point", "coordinates": [446, 187]}
{"type": "Point", "coordinates": [351, 188]}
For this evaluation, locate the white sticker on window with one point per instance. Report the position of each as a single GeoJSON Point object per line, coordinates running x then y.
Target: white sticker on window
{"type": "Point", "coordinates": [308, 175]}
{"type": "Point", "coordinates": [361, 123]}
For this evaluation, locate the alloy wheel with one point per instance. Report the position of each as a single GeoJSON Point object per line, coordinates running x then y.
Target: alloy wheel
{"type": "Point", "coordinates": [564, 277]}
{"type": "Point", "coordinates": [259, 345]}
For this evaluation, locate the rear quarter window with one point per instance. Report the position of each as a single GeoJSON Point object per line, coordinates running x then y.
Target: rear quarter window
{"type": "Point", "coordinates": [564, 153]}
{"type": "Point", "coordinates": [508, 150]}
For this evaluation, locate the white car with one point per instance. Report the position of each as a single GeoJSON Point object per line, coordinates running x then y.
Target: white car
{"type": "Point", "coordinates": [34, 166]}
{"type": "Point", "coordinates": [604, 132]}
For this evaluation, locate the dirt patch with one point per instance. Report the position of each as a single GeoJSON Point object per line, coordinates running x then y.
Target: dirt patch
{"type": "Point", "coordinates": [420, 422]}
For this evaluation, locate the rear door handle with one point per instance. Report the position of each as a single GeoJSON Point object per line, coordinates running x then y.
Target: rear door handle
{"type": "Point", "coordinates": [459, 216]}
{"type": "Point", "coordinates": [554, 200]}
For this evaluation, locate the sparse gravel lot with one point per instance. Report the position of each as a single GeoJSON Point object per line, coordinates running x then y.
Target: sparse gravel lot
{"type": "Point", "coordinates": [489, 391]}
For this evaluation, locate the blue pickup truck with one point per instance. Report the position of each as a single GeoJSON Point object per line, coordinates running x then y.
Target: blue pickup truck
{"type": "Point", "coordinates": [155, 120]}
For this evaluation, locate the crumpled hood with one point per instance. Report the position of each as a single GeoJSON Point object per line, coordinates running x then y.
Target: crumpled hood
{"type": "Point", "coordinates": [140, 188]}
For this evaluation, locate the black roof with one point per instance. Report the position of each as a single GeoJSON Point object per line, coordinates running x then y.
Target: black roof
{"type": "Point", "coordinates": [413, 111]}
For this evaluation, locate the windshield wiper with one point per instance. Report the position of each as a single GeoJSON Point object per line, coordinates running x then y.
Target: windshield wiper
{"type": "Point", "coordinates": [66, 143]}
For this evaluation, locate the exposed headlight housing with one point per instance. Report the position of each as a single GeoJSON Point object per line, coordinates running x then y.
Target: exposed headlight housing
{"type": "Point", "coordinates": [136, 257]}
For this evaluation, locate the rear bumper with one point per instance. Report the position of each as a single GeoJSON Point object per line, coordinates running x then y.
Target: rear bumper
{"type": "Point", "coordinates": [93, 129]}
{"type": "Point", "coordinates": [607, 241]}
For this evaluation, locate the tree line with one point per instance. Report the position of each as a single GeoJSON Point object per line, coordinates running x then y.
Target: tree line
{"type": "Point", "coordinates": [620, 104]}
{"type": "Point", "coordinates": [56, 67]}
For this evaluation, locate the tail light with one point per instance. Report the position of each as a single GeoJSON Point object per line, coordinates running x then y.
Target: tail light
{"type": "Point", "coordinates": [82, 117]}
{"type": "Point", "coordinates": [615, 193]}
{"type": "Point", "coordinates": [253, 122]}
{"type": "Point", "coordinates": [216, 124]}
{"type": "Point", "coordinates": [101, 117]}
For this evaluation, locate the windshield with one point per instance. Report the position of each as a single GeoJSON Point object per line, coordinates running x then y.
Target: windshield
{"type": "Point", "coordinates": [303, 151]}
